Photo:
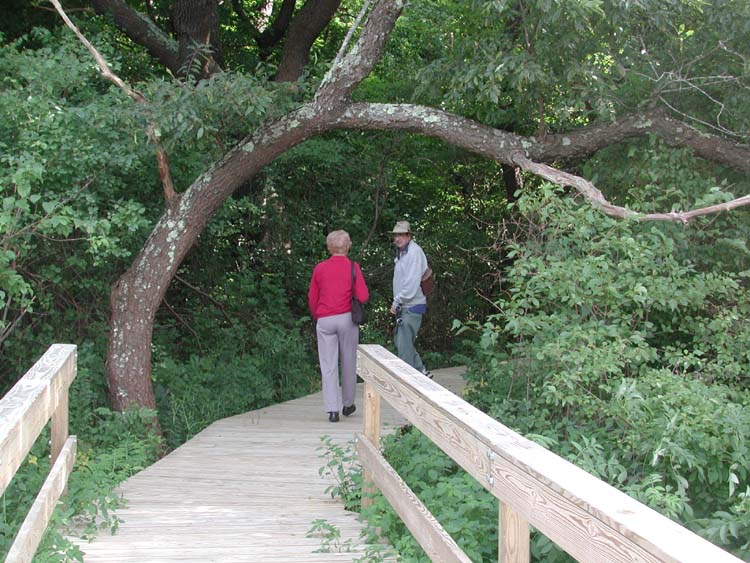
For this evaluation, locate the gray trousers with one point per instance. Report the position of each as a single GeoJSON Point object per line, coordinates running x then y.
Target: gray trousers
{"type": "Point", "coordinates": [404, 337]}
{"type": "Point", "coordinates": [338, 337]}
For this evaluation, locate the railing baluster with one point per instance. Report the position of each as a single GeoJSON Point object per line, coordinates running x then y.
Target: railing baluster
{"type": "Point", "coordinates": [59, 425]}
{"type": "Point", "coordinates": [372, 431]}
{"type": "Point", "coordinates": [513, 537]}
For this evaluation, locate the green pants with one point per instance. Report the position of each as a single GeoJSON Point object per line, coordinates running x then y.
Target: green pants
{"type": "Point", "coordinates": [407, 326]}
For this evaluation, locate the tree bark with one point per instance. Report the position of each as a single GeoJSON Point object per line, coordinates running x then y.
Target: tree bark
{"type": "Point", "coordinates": [265, 35]}
{"type": "Point", "coordinates": [511, 181]}
{"type": "Point", "coordinates": [501, 146]}
{"type": "Point", "coordinates": [586, 141]}
{"type": "Point", "coordinates": [196, 22]}
{"type": "Point", "coordinates": [271, 36]}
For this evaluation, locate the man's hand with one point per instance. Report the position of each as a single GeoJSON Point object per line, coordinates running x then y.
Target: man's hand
{"type": "Point", "coordinates": [394, 310]}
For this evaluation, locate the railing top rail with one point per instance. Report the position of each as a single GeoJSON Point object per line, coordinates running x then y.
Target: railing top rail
{"type": "Point", "coordinates": [588, 518]}
{"type": "Point", "coordinates": [28, 406]}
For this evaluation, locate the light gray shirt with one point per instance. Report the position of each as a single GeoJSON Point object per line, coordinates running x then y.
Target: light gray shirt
{"type": "Point", "coordinates": [410, 265]}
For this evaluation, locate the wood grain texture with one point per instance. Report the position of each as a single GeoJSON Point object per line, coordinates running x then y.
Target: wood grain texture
{"type": "Point", "coordinates": [431, 536]}
{"type": "Point", "coordinates": [588, 518]}
{"type": "Point", "coordinates": [28, 406]}
{"type": "Point", "coordinates": [372, 431]}
{"type": "Point", "coordinates": [513, 537]}
{"type": "Point", "coordinates": [245, 490]}
{"type": "Point", "coordinates": [33, 527]}
{"type": "Point", "coordinates": [59, 426]}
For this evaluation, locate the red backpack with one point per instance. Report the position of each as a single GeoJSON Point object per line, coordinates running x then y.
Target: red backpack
{"type": "Point", "coordinates": [428, 281]}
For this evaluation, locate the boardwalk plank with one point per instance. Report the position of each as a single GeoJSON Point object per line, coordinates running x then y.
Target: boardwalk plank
{"type": "Point", "coordinates": [244, 490]}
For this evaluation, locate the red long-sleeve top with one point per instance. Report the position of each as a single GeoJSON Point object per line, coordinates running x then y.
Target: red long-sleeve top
{"type": "Point", "coordinates": [330, 290]}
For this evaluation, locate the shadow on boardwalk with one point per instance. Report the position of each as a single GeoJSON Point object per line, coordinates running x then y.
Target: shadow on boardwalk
{"type": "Point", "coordinates": [244, 490]}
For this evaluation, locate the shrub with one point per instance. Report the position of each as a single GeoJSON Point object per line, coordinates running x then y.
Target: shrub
{"type": "Point", "coordinates": [117, 446]}
{"type": "Point", "coordinates": [194, 393]}
{"type": "Point", "coordinates": [623, 356]}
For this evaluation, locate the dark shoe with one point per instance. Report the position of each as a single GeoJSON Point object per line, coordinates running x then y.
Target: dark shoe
{"type": "Point", "coordinates": [349, 410]}
{"type": "Point", "coordinates": [333, 416]}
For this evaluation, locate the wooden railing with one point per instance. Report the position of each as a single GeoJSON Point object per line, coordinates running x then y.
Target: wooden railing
{"type": "Point", "coordinates": [586, 517]}
{"type": "Point", "coordinates": [39, 396]}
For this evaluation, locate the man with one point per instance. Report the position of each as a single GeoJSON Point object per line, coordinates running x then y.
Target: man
{"type": "Point", "coordinates": [409, 303]}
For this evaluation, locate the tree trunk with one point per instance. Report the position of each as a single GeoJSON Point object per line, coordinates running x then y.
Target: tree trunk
{"type": "Point", "coordinates": [512, 181]}
{"type": "Point", "coordinates": [196, 23]}
{"type": "Point", "coordinates": [141, 29]}
{"type": "Point", "coordinates": [137, 295]}
{"type": "Point", "coordinates": [305, 28]}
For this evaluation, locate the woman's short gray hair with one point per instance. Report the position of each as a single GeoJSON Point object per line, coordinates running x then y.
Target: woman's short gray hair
{"type": "Point", "coordinates": [338, 242]}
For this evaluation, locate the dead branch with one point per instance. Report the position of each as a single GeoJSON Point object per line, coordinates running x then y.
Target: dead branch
{"type": "Point", "coordinates": [184, 323]}
{"type": "Point", "coordinates": [590, 192]}
{"type": "Point", "coordinates": [202, 293]}
{"type": "Point", "coordinates": [137, 97]}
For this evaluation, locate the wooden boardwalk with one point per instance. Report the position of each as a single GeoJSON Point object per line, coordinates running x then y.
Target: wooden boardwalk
{"type": "Point", "coordinates": [245, 490]}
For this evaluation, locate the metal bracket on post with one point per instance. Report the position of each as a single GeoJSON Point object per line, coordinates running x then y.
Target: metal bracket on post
{"type": "Point", "coordinates": [489, 478]}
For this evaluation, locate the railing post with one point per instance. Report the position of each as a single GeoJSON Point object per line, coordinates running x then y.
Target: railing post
{"type": "Point", "coordinates": [513, 537]}
{"type": "Point", "coordinates": [38, 398]}
{"type": "Point", "coordinates": [372, 433]}
{"type": "Point", "coordinates": [59, 425]}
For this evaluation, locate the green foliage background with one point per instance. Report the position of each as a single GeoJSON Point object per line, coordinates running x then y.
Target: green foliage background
{"type": "Point", "coordinates": [621, 346]}
{"type": "Point", "coordinates": [613, 350]}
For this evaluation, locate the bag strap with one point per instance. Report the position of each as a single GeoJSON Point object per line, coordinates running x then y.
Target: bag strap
{"type": "Point", "coordinates": [353, 276]}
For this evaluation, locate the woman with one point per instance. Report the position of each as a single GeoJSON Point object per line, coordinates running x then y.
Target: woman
{"type": "Point", "coordinates": [330, 301]}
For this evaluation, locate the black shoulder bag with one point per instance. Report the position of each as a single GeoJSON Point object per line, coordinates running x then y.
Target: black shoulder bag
{"type": "Point", "coordinates": [359, 315]}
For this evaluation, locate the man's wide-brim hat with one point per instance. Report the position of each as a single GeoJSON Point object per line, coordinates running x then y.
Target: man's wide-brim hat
{"type": "Point", "coordinates": [401, 228]}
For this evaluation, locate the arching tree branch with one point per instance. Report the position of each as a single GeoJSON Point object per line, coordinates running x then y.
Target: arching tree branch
{"type": "Point", "coordinates": [525, 152]}
{"type": "Point", "coordinates": [136, 296]}
{"type": "Point", "coordinates": [587, 140]}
